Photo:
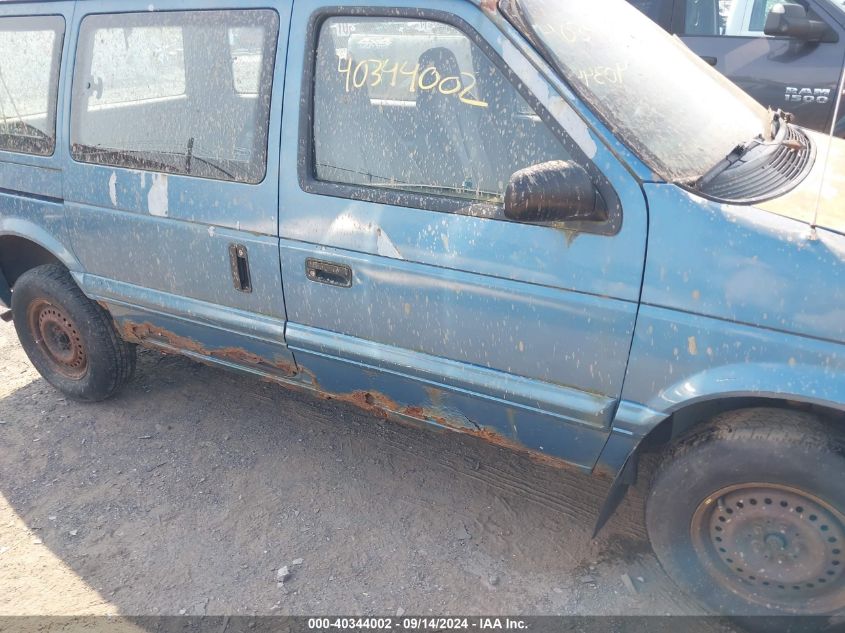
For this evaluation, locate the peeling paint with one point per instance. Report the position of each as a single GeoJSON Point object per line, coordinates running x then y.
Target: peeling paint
{"type": "Point", "coordinates": [385, 247]}
{"type": "Point", "coordinates": [113, 188]}
{"type": "Point", "coordinates": [692, 346]}
{"type": "Point", "coordinates": [157, 200]}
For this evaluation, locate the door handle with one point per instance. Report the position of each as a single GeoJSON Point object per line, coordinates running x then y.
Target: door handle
{"type": "Point", "coordinates": [710, 60]}
{"type": "Point", "coordinates": [339, 275]}
{"type": "Point", "coordinates": [239, 262]}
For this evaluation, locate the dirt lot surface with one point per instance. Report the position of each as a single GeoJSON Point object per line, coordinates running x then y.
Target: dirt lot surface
{"type": "Point", "coordinates": [188, 492]}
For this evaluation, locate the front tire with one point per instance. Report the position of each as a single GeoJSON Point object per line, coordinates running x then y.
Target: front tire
{"type": "Point", "coordinates": [748, 514]}
{"type": "Point", "coordinates": [70, 339]}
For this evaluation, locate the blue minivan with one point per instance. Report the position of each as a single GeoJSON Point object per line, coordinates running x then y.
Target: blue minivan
{"type": "Point", "coordinates": [543, 223]}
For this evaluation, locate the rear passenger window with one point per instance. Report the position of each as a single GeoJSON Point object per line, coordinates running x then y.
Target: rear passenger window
{"type": "Point", "coordinates": [176, 92]}
{"type": "Point", "coordinates": [30, 55]}
{"type": "Point", "coordinates": [417, 107]}
{"type": "Point", "coordinates": [138, 64]}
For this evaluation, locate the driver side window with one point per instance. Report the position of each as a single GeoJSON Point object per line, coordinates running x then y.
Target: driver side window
{"type": "Point", "coordinates": [415, 106]}
{"type": "Point", "coordinates": [729, 18]}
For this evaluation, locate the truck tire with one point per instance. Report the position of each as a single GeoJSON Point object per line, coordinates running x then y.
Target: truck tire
{"type": "Point", "coordinates": [70, 339]}
{"type": "Point", "coordinates": [747, 514]}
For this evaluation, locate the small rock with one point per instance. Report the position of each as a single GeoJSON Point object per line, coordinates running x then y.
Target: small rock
{"type": "Point", "coordinates": [629, 584]}
{"type": "Point", "coordinates": [641, 579]}
{"type": "Point", "coordinates": [461, 534]}
{"type": "Point", "coordinates": [493, 580]}
{"type": "Point", "coordinates": [283, 574]}
{"type": "Point", "coordinates": [182, 611]}
{"type": "Point", "coordinates": [37, 541]}
{"type": "Point", "coordinates": [73, 532]}
{"type": "Point", "coordinates": [400, 612]}
{"type": "Point", "coordinates": [297, 561]}
{"type": "Point", "coordinates": [587, 580]}
{"type": "Point", "coordinates": [52, 517]}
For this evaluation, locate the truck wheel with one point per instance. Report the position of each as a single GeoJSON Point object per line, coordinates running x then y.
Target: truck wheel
{"type": "Point", "coordinates": [748, 514]}
{"type": "Point", "coordinates": [69, 339]}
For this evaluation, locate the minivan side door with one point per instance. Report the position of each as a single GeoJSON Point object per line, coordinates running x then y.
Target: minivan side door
{"type": "Point", "coordinates": [406, 286]}
{"type": "Point", "coordinates": [171, 191]}
{"type": "Point", "coordinates": [780, 72]}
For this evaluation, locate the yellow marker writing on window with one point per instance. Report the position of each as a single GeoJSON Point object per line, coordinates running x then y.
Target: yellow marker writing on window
{"type": "Point", "coordinates": [372, 73]}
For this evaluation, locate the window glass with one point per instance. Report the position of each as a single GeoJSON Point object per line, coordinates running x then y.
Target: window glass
{"type": "Point", "coordinates": [177, 92]}
{"type": "Point", "coordinates": [30, 52]}
{"type": "Point", "coordinates": [702, 18]}
{"type": "Point", "coordinates": [655, 9]}
{"type": "Point", "coordinates": [759, 13]}
{"type": "Point", "coordinates": [130, 65]}
{"type": "Point", "coordinates": [246, 46]}
{"type": "Point", "coordinates": [416, 106]}
{"type": "Point", "coordinates": [738, 18]}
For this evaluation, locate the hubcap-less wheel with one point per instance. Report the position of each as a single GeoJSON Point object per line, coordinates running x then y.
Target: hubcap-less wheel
{"type": "Point", "coordinates": [773, 545]}
{"type": "Point", "coordinates": [58, 338]}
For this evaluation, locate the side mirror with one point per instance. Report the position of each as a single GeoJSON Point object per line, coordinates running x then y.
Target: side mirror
{"type": "Point", "coordinates": [556, 191]}
{"type": "Point", "coordinates": [788, 19]}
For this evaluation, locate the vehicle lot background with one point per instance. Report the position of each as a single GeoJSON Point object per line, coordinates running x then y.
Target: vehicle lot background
{"type": "Point", "coordinates": [189, 490]}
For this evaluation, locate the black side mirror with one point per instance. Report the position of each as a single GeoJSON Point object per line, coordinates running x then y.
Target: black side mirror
{"type": "Point", "coordinates": [557, 191]}
{"type": "Point", "coordinates": [788, 19]}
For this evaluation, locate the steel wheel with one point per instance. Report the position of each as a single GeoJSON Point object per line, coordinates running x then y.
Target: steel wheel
{"type": "Point", "coordinates": [58, 338]}
{"type": "Point", "coordinates": [772, 545]}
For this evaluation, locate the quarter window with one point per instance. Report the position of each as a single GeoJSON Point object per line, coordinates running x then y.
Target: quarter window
{"type": "Point", "coordinates": [417, 107]}
{"type": "Point", "coordinates": [30, 54]}
{"type": "Point", "coordinates": [176, 92]}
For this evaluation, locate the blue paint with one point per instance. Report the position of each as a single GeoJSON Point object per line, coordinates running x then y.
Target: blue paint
{"type": "Point", "coordinates": [573, 346]}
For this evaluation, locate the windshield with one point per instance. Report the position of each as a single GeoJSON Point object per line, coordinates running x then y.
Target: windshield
{"type": "Point", "coordinates": [671, 108]}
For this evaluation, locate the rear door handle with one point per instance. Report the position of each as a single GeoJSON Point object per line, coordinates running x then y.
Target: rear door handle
{"type": "Point", "coordinates": [710, 60]}
{"type": "Point", "coordinates": [339, 275]}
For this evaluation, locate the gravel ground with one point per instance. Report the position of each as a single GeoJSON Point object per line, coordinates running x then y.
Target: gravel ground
{"type": "Point", "coordinates": [187, 492]}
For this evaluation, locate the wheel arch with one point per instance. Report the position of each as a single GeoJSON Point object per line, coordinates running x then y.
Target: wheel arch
{"type": "Point", "coordinates": [25, 245]}
{"type": "Point", "coordinates": [621, 456]}
{"type": "Point", "coordinates": [690, 415]}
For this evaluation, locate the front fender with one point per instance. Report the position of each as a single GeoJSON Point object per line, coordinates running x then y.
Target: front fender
{"type": "Point", "coordinates": [680, 359]}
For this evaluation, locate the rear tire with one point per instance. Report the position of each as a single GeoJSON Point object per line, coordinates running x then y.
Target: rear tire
{"type": "Point", "coordinates": [70, 339]}
{"type": "Point", "coordinates": [747, 514]}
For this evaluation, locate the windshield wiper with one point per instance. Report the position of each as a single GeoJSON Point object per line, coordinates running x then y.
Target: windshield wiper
{"type": "Point", "coordinates": [121, 158]}
{"type": "Point", "coordinates": [727, 162]}
{"type": "Point", "coordinates": [779, 119]}
{"type": "Point", "coordinates": [777, 135]}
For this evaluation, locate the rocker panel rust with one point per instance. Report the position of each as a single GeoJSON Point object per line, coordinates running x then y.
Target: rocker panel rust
{"type": "Point", "coordinates": [152, 336]}
{"type": "Point", "coordinates": [290, 375]}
